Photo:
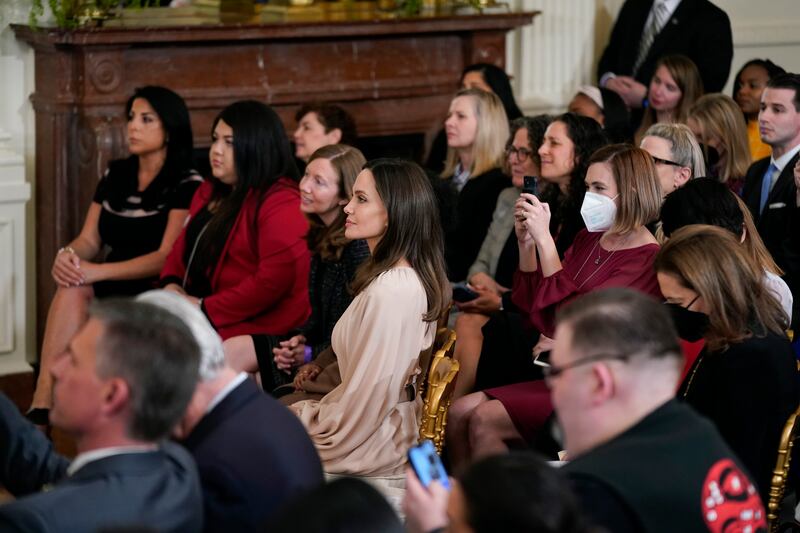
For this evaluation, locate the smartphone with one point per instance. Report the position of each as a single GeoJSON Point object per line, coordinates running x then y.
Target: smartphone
{"type": "Point", "coordinates": [463, 293]}
{"type": "Point", "coordinates": [427, 464]}
{"type": "Point", "coordinates": [530, 185]}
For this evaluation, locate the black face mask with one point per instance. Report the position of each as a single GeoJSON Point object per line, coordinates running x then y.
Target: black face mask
{"type": "Point", "coordinates": [711, 156]}
{"type": "Point", "coordinates": [691, 325]}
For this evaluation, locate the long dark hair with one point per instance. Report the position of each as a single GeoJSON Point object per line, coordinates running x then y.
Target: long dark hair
{"type": "Point", "coordinates": [413, 233]}
{"type": "Point", "coordinates": [587, 136]}
{"type": "Point", "coordinates": [261, 156]}
{"type": "Point", "coordinates": [174, 116]}
{"type": "Point", "coordinates": [498, 80]}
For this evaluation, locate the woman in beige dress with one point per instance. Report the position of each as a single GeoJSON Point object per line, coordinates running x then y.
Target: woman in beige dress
{"type": "Point", "coordinates": [365, 425]}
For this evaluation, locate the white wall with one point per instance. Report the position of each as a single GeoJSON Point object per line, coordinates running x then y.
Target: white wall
{"type": "Point", "coordinates": [16, 170]}
{"type": "Point", "coordinates": [548, 60]}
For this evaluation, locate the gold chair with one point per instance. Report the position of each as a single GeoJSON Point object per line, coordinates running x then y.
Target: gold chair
{"type": "Point", "coordinates": [439, 392]}
{"type": "Point", "coordinates": [781, 472]}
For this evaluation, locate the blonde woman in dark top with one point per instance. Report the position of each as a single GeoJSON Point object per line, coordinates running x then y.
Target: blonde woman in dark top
{"type": "Point", "coordinates": [477, 130]}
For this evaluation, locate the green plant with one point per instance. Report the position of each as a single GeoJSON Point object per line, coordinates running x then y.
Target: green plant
{"type": "Point", "coordinates": [73, 13]}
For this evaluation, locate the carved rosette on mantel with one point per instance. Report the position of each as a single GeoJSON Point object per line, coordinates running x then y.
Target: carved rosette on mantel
{"type": "Point", "coordinates": [396, 76]}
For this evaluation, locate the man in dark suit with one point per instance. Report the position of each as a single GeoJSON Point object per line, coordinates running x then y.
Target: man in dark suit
{"type": "Point", "coordinates": [647, 30]}
{"type": "Point", "coordinates": [119, 388]}
{"type": "Point", "coordinates": [770, 189]}
{"type": "Point", "coordinates": [640, 460]}
{"type": "Point", "coordinates": [252, 453]}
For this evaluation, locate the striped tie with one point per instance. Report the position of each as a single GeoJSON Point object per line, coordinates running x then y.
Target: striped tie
{"type": "Point", "coordinates": [650, 32]}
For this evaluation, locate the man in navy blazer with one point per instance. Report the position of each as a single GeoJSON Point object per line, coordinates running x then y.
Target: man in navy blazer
{"type": "Point", "coordinates": [695, 28]}
{"type": "Point", "coordinates": [252, 453]}
{"type": "Point", "coordinates": [770, 188]}
{"type": "Point", "coordinates": [119, 388]}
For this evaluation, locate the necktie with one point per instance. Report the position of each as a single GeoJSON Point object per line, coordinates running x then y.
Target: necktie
{"type": "Point", "coordinates": [650, 32]}
{"type": "Point", "coordinates": [766, 185]}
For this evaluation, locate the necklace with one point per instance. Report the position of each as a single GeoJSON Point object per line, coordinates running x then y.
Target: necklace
{"type": "Point", "coordinates": [694, 371]}
{"type": "Point", "coordinates": [596, 261]}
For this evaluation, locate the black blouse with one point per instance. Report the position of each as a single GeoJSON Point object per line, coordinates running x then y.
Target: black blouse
{"type": "Point", "coordinates": [132, 222]}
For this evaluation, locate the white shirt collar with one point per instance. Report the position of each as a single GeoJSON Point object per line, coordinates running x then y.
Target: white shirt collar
{"type": "Point", "coordinates": [235, 382]}
{"type": "Point", "coordinates": [83, 459]}
{"type": "Point", "coordinates": [783, 160]}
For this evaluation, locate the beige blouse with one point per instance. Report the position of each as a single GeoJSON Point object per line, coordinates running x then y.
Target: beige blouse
{"type": "Point", "coordinates": [362, 427]}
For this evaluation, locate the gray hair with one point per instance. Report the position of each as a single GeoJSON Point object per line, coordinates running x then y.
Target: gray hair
{"type": "Point", "coordinates": [154, 352]}
{"type": "Point", "coordinates": [685, 148]}
{"type": "Point", "coordinates": [212, 357]}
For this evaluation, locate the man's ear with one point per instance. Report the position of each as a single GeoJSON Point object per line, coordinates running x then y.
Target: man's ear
{"type": "Point", "coordinates": [335, 135]}
{"type": "Point", "coordinates": [117, 396]}
{"type": "Point", "coordinates": [604, 386]}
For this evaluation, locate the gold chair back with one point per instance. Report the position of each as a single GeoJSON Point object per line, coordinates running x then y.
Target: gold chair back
{"type": "Point", "coordinates": [781, 473]}
{"type": "Point", "coordinates": [439, 392]}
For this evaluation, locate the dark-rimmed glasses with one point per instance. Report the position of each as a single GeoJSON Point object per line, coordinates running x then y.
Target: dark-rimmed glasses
{"type": "Point", "coordinates": [659, 161]}
{"type": "Point", "coordinates": [551, 372]}
{"type": "Point", "coordinates": [522, 153]}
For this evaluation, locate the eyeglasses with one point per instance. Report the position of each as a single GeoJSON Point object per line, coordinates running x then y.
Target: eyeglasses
{"type": "Point", "coordinates": [551, 372]}
{"type": "Point", "coordinates": [522, 153]}
{"type": "Point", "coordinates": [659, 161]}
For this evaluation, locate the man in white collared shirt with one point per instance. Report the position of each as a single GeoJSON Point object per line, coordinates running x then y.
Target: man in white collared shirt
{"type": "Point", "coordinates": [770, 190]}
{"type": "Point", "coordinates": [119, 388]}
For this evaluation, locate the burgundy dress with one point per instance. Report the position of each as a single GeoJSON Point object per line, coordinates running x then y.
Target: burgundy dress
{"type": "Point", "coordinates": [587, 266]}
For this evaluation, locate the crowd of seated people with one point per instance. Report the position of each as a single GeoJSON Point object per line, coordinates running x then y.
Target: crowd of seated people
{"type": "Point", "coordinates": [628, 305]}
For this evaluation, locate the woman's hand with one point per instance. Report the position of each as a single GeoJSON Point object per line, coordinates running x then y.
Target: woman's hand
{"type": "Point", "coordinates": [425, 509]}
{"type": "Point", "coordinates": [488, 301]}
{"type": "Point", "coordinates": [305, 373]}
{"type": "Point", "coordinates": [484, 280]}
{"type": "Point", "coordinates": [534, 215]}
{"type": "Point", "coordinates": [67, 269]}
{"type": "Point", "coordinates": [290, 353]}
{"type": "Point", "coordinates": [177, 289]}
{"type": "Point", "coordinates": [545, 344]}
{"type": "Point", "coordinates": [92, 272]}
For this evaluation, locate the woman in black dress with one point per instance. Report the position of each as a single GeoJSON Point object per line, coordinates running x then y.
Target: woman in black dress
{"type": "Point", "coordinates": [138, 210]}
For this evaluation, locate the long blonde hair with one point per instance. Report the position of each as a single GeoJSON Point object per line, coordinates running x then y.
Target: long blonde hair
{"type": "Point", "coordinates": [488, 149]}
{"type": "Point", "coordinates": [719, 116]}
{"type": "Point", "coordinates": [687, 77]}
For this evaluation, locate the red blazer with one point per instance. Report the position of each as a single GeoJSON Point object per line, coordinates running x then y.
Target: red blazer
{"type": "Point", "coordinates": [260, 284]}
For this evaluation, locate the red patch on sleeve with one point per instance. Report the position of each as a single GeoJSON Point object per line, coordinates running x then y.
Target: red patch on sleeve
{"type": "Point", "coordinates": [730, 501]}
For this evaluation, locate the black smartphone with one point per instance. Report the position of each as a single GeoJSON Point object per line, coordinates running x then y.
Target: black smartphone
{"type": "Point", "coordinates": [462, 293]}
{"type": "Point", "coordinates": [427, 464]}
{"type": "Point", "coordinates": [530, 185]}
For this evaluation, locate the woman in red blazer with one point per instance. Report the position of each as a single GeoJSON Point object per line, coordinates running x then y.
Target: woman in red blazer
{"type": "Point", "coordinates": [242, 256]}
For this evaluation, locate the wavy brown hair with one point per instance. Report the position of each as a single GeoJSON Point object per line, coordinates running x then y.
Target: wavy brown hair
{"type": "Point", "coordinates": [329, 241]}
{"type": "Point", "coordinates": [413, 233]}
{"type": "Point", "coordinates": [710, 261]}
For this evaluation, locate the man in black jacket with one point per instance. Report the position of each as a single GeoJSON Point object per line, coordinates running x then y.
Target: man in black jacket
{"type": "Point", "coordinates": [771, 188]}
{"type": "Point", "coordinates": [640, 460]}
{"type": "Point", "coordinates": [647, 30]}
{"type": "Point", "coordinates": [252, 453]}
{"type": "Point", "coordinates": [119, 389]}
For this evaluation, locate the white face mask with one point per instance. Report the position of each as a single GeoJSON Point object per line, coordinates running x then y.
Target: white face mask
{"type": "Point", "coordinates": [598, 211]}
